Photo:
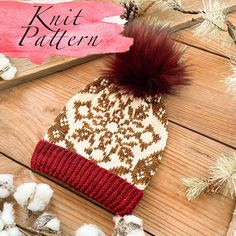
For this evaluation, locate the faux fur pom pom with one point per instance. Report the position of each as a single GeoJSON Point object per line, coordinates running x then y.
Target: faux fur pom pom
{"type": "Point", "coordinates": [152, 65]}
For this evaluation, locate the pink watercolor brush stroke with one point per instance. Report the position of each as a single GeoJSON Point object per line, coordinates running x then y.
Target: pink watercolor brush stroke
{"type": "Point", "coordinates": [15, 15]}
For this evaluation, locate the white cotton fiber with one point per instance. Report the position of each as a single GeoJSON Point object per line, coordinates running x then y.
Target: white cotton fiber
{"type": "Point", "coordinates": [14, 231]}
{"type": "Point", "coordinates": [89, 230]}
{"type": "Point", "coordinates": [4, 233]}
{"type": "Point", "coordinates": [10, 73]}
{"type": "Point", "coordinates": [8, 215]}
{"type": "Point", "coordinates": [54, 224]}
{"type": "Point", "coordinates": [24, 193]}
{"type": "Point", "coordinates": [5, 64]}
{"type": "Point", "coordinates": [6, 185]}
{"type": "Point", "coordinates": [41, 198]}
{"type": "Point", "coordinates": [1, 225]}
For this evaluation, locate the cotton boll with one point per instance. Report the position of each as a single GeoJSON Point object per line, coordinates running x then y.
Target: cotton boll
{"type": "Point", "coordinates": [1, 225]}
{"type": "Point", "coordinates": [10, 73]}
{"type": "Point", "coordinates": [54, 224]}
{"type": "Point", "coordinates": [7, 70]}
{"type": "Point", "coordinates": [6, 185]}
{"type": "Point", "coordinates": [8, 215]}
{"type": "Point", "coordinates": [47, 223]}
{"type": "Point", "coordinates": [41, 198]}
{"type": "Point", "coordinates": [14, 231]}
{"type": "Point", "coordinates": [4, 233]}
{"type": "Point", "coordinates": [129, 225]}
{"type": "Point", "coordinates": [4, 61]}
{"type": "Point", "coordinates": [89, 230]}
{"type": "Point", "coordinates": [24, 193]}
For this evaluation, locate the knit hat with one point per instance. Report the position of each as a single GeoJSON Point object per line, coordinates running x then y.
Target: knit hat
{"type": "Point", "coordinates": [109, 138]}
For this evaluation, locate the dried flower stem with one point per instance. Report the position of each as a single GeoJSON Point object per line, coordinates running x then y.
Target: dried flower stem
{"type": "Point", "coordinates": [222, 179]}
{"type": "Point", "coordinates": [187, 11]}
{"type": "Point", "coordinates": [231, 29]}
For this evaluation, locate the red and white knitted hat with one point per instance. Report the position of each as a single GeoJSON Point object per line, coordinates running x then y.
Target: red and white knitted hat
{"type": "Point", "coordinates": [109, 138]}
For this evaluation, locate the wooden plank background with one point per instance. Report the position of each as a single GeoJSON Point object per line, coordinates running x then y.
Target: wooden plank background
{"type": "Point", "coordinates": [202, 127]}
{"type": "Point", "coordinates": [28, 71]}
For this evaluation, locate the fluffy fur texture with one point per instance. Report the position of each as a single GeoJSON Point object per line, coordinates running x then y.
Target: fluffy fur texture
{"type": "Point", "coordinates": [152, 65]}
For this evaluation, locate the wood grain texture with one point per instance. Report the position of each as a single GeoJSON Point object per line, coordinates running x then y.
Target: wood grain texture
{"type": "Point", "coordinates": [222, 45]}
{"type": "Point", "coordinates": [28, 71]}
{"type": "Point", "coordinates": [72, 210]}
{"type": "Point", "coordinates": [27, 110]}
{"type": "Point", "coordinates": [177, 20]}
{"type": "Point", "coordinates": [203, 106]}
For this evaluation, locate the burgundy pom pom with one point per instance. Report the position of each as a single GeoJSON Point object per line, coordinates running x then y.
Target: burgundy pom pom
{"type": "Point", "coordinates": [152, 65]}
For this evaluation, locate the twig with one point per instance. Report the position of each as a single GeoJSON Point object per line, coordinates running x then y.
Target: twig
{"type": "Point", "coordinates": [30, 231]}
{"type": "Point", "coordinates": [186, 11]}
{"type": "Point", "coordinates": [231, 29]}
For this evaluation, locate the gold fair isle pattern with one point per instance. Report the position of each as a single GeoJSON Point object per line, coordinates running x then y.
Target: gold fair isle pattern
{"type": "Point", "coordinates": [122, 134]}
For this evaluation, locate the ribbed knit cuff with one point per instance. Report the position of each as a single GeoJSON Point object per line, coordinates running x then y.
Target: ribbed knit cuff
{"type": "Point", "coordinates": [85, 176]}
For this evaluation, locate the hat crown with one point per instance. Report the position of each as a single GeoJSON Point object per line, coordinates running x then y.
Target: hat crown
{"type": "Point", "coordinates": [121, 133]}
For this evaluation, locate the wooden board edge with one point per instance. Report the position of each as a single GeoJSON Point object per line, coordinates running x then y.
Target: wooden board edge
{"type": "Point", "coordinates": [61, 65]}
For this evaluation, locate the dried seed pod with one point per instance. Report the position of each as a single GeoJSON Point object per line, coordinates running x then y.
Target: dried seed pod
{"type": "Point", "coordinates": [6, 185]}
{"type": "Point", "coordinates": [34, 197]}
{"type": "Point", "coordinates": [129, 225]}
{"type": "Point", "coordinates": [131, 10]}
{"type": "Point", "coordinates": [47, 223]}
{"type": "Point", "coordinates": [89, 230]}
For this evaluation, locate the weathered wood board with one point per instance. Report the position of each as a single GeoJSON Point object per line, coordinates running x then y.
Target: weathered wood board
{"type": "Point", "coordinates": [28, 71]}
{"type": "Point", "coordinates": [222, 45]}
{"type": "Point", "coordinates": [27, 110]}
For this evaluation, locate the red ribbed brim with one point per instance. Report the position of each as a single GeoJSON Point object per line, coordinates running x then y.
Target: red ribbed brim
{"type": "Point", "coordinates": [85, 176]}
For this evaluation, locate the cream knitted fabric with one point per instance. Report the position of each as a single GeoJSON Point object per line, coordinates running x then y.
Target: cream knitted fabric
{"type": "Point", "coordinates": [122, 134]}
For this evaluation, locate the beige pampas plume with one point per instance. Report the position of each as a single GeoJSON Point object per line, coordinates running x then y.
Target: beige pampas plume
{"type": "Point", "coordinates": [194, 187]}
{"type": "Point", "coordinates": [128, 225]}
{"type": "Point", "coordinates": [34, 197]}
{"type": "Point", "coordinates": [222, 179]}
{"type": "Point", "coordinates": [231, 80]}
{"type": "Point", "coordinates": [89, 230]}
{"type": "Point", "coordinates": [6, 185]}
{"type": "Point", "coordinates": [214, 17]}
